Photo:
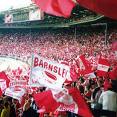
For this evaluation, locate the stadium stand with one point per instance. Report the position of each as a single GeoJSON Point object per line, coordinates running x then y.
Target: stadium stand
{"type": "Point", "coordinates": [58, 39]}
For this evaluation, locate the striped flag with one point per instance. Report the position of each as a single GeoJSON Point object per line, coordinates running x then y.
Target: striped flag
{"type": "Point", "coordinates": [103, 66]}
{"type": "Point", "coordinates": [85, 67]}
{"type": "Point", "coordinates": [64, 100]}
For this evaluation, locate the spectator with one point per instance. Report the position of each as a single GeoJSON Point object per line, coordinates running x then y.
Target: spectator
{"type": "Point", "coordinates": [108, 99]}
{"type": "Point", "coordinates": [6, 110]}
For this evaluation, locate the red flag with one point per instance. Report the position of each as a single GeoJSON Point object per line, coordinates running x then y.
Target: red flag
{"type": "Point", "coordinates": [83, 63]}
{"type": "Point", "coordinates": [4, 76]}
{"type": "Point", "coordinates": [0, 92]}
{"type": "Point", "coordinates": [103, 66]}
{"type": "Point", "coordinates": [104, 7]}
{"type": "Point", "coordinates": [83, 109]}
{"type": "Point", "coordinates": [65, 100]}
{"type": "Point", "coordinates": [41, 100]}
{"type": "Point", "coordinates": [85, 67]}
{"type": "Point", "coordinates": [113, 74]}
{"type": "Point", "coordinates": [90, 73]}
{"type": "Point", "coordinates": [60, 8]}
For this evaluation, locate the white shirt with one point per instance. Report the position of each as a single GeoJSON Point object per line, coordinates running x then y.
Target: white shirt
{"type": "Point", "coordinates": [108, 99]}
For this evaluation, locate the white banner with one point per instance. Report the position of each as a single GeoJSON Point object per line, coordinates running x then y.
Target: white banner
{"type": "Point", "coordinates": [15, 93]}
{"type": "Point", "coordinates": [48, 73]}
{"type": "Point", "coordinates": [102, 67]}
{"type": "Point", "coordinates": [36, 14]}
{"type": "Point", "coordinates": [8, 18]}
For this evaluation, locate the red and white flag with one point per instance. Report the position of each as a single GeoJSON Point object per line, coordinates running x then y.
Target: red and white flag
{"type": "Point", "coordinates": [60, 8]}
{"type": "Point", "coordinates": [83, 63]}
{"type": "Point", "coordinates": [89, 73]}
{"type": "Point", "coordinates": [45, 78]}
{"type": "Point", "coordinates": [48, 73]}
{"type": "Point", "coordinates": [15, 93]}
{"type": "Point", "coordinates": [85, 67]}
{"type": "Point", "coordinates": [63, 100]}
{"type": "Point", "coordinates": [103, 66]}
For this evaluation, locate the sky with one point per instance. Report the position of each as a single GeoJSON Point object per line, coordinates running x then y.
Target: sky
{"type": "Point", "coordinates": [7, 4]}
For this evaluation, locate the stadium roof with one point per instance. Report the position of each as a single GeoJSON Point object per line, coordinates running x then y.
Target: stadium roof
{"type": "Point", "coordinates": [13, 4]}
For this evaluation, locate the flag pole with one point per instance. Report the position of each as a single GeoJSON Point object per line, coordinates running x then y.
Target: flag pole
{"type": "Point", "coordinates": [32, 59]}
{"type": "Point", "coordinates": [105, 33]}
{"type": "Point", "coordinates": [75, 32]}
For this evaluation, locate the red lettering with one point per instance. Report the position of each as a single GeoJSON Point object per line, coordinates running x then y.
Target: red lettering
{"type": "Point", "coordinates": [66, 73]}
{"type": "Point", "coordinates": [63, 73]}
{"type": "Point", "coordinates": [55, 69]}
{"type": "Point", "coordinates": [36, 61]}
{"type": "Point", "coordinates": [70, 107]}
{"type": "Point", "coordinates": [59, 71]}
{"type": "Point", "coordinates": [50, 67]}
{"type": "Point", "coordinates": [60, 94]}
{"type": "Point", "coordinates": [45, 65]}
{"type": "Point", "coordinates": [41, 63]}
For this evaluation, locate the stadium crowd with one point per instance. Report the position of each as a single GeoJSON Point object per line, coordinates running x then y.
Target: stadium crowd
{"type": "Point", "coordinates": [66, 46]}
{"type": "Point", "coordinates": [57, 45]}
